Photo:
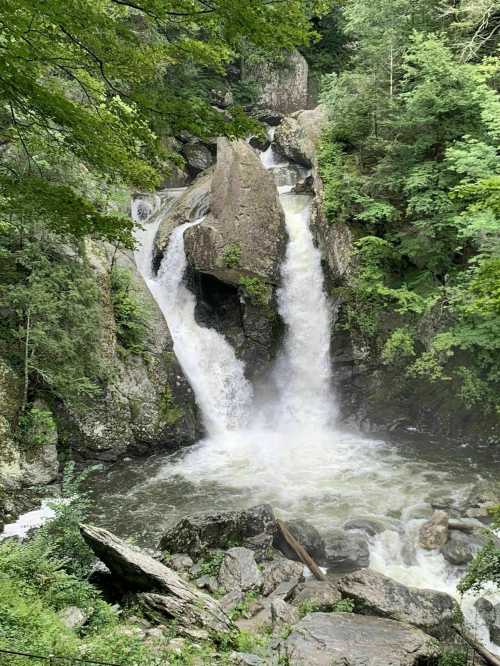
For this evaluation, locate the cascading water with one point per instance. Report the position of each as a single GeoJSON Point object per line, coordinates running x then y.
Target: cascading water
{"type": "Point", "coordinates": [303, 370]}
{"type": "Point", "coordinates": [284, 447]}
{"type": "Point", "coordinates": [215, 374]}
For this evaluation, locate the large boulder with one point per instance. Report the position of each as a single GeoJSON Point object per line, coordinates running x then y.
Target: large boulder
{"type": "Point", "coordinates": [461, 547]}
{"type": "Point", "coordinates": [198, 157]}
{"type": "Point", "coordinates": [344, 639]}
{"type": "Point", "coordinates": [239, 571]}
{"type": "Point", "coordinates": [298, 136]}
{"type": "Point", "coordinates": [346, 551]}
{"type": "Point", "coordinates": [318, 594]}
{"type": "Point", "coordinates": [147, 403]}
{"type": "Point", "coordinates": [308, 537]}
{"type": "Point", "coordinates": [160, 589]}
{"type": "Point", "coordinates": [376, 594]}
{"type": "Point", "coordinates": [282, 86]}
{"type": "Point", "coordinates": [244, 234]}
{"type": "Point", "coordinates": [201, 532]}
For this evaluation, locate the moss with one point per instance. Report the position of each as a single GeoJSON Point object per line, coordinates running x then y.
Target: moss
{"type": "Point", "coordinates": [232, 255]}
{"type": "Point", "coordinates": [170, 412]}
{"type": "Point", "coordinates": [257, 290]}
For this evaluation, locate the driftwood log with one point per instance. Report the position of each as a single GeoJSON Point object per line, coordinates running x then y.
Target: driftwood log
{"type": "Point", "coordinates": [488, 657]}
{"type": "Point", "coordinates": [301, 552]}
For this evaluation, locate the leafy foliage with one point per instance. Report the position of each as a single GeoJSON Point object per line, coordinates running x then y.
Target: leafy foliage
{"type": "Point", "coordinates": [131, 315]}
{"type": "Point", "coordinates": [232, 255]}
{"type": "Point", "coordinates": [257, 290]}
{"type": "Point", "coordinates": [485, 567]}
{"type": "Point", "coordinates": [410, 162]}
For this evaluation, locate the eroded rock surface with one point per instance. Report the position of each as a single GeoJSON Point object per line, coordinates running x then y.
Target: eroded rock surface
{"type": "Point", "coordinates": [345, 639]}
{"type": "Point", "coordinates": [377, 594]}
{"type": "Point", "coordinates": [161, 590]}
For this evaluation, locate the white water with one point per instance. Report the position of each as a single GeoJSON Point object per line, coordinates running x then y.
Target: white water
{"type": "Point", "coordinates": [284, 447]}
{"type": "Point", "coordinates": [215, 374]}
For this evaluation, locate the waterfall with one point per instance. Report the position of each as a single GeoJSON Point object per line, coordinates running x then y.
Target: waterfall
{"type": "Point", "coordinates": [217, 377]}
{"type": "Point", "coordinates": [303, 370]}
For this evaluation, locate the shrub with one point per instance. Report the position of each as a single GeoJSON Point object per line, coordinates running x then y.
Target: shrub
{"type": "Point", "coordinates": [257, 290]}
{"type": "Point", "coordinates": [232, 255]}
{"type": "Point", "coordinates": [131, 315]}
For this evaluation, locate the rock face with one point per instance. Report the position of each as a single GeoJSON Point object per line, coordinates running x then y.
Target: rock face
{"type": "Point", "coordinates": [234, 256]}
{"type": "Point", "coordinates": [308, 536]}
{"type": "Point", "coordinates": [346, 551]}
{"type": "Point", "coordinates": [148, 403]}
{"type": "Point", "coordinates": [377, 594]}
{"type": "Point", "coordinates": [161, 590]}
{"type": "Point", "coordinates": [197, 534]}
{"type": "Point", "coordinates": [434, 533]}
{"type": "Point", "coordinates": [345, 639]}
{"type": "Point", "coordinates": [298, 135]}
{"type": "Point", "coordinates": [322, 595]}
{"type": "Point", "coordinates": [283, 87]}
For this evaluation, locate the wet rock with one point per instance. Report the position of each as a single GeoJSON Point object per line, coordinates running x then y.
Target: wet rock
{"type": "Point", "coordinates": [346, 551]}
{"type": "Point", "coordinates": [73, 617]}
{"type": "Point", "coordinates": [278, 571]}
{"type": "Point", "coordinates": [371, 526]}
{"type": "Point", "coordinates": [434, 533]}
{"type": "Point", "coordinates": [259, 142]}
{"type": "Point", "coordinates": [486, 611]}
{"type": "Point", "coordinates": [495, 626]}
{"type": "Point", "coordinates": [162, 592]}
{"type": "Point", "coordinates": [322, 595]}
{"type": "Point", "coordinates": [322, 639]}
{"type": "Point", "coordinates": [198, 157]}
{"type": "Point", "coordinates": [283, 614]}
{"type": "Point", "coordinates": [201, 532]}
{"type": "Point", "coordinates": [461, 547]}
{"type": "Point", "coordinates": [271, 118]}
{"type": "Point", "coordinates": [305, 186]}
{"type": "Point", "coordinates": [239, 571]}
{"type": "Point", "coordinates": [484, 496]}
{"type": "Point", "coordinates": [282, 86]}
{"type": "Point", "coordinates": [377, 594]}
{"type": "Point", "coordinates": [308, 537]}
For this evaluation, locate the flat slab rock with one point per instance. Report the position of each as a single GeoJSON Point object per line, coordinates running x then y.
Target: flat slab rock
{"type": "Point", "coordinates": [377, 594]}
{"type": "Point", "coordinates": [161, 589]}
{"type": "Point", "coordinates": [345, 639]}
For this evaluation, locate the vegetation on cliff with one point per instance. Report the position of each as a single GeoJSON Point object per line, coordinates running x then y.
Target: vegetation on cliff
{"type": "Point", "coordinates": [410, 161]}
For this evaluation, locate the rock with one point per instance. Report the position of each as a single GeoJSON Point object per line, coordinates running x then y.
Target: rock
{"type": "Point", "coordinates": [244, 213]}
{"type": "Point", "coordinates": [486, 611]}
{"type": "Point", "coordinates": [322, 595]}
{"type": "Point", "coordinates": [346, 639]}
{"type": "Point", "coordinates": [298, 135]}
{"type": "Point", "coordinates": [377, 594]}
{"type": "Point", "coordinates": [239, 571]}
{"type": "Point", "coordinates": [155, 633]}
{"type": "Point", "coordinates": [201, 532]}
{"type": "Point", "coordinates": [40, 463]}
{"type": "Point", "coordinates": [176, 177]}
{"type": "Point", "coordinates": [371, 526]}
{"type": "Point", "coordinates": [259, 142]}
{"type": "Point", "coordinates": [262, 546]}
{"type": "Point", "coordinates": [147, 403]}
{"type": "Point", "coordinates": [271, 118]}
{"type": "Point", "coordinates": [461, 547]}
{"type": "Point", "coordinates": [279, 571]}
{"type": "Point", "coordinates": [161, 590]}
{"type": "Point", "coordinates": [232, 599]}
{"type": "Point", "coordinates": [198, 157]}
{"type": "Point", "coordinates": [245, 659]}
{"type": "Point", "coordinates": [434, 533]}
{"type": "Point", "coordinates": [73, 617]}
{"type": "Point", "coordinates": [304, 186]}
{"type": "Point", "coordinates": [284, 86]}
{"type": "Point", "coordinates": [179, 562]}
{"type": "Point", "coordinates": [11, 398]}
{"type": "Point", "coordinates": [346, 551]}
{"type": "Point", "coordinates": [207, 582]}
{"type": "Point", "coordinates": [495, 626]}
{"type": "Point", "coordinates": [308, 537]}
{"type": "Point", "coordinates": [283, 614]}
{"type": "Point", "coordinates": [484, 496]}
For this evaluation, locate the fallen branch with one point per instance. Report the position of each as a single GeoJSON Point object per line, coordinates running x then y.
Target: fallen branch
{"type": "Point", "coordinates": [302, 553]}
{"type": "Point", "coordinates": [480, 649]}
